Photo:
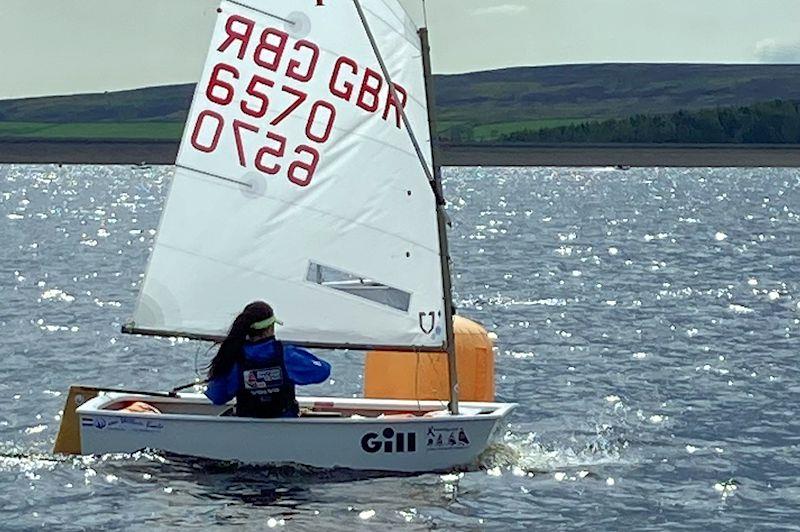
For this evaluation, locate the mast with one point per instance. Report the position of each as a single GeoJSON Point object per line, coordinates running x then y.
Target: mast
{"type": "Point", "coordinates": [441, 217]}
{"type": "Point", "coordinates": [436, 185]}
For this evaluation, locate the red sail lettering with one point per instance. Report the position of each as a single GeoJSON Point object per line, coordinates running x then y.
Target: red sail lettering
{"type": "Point", "coordinates": [299, 98]}
{"type": "Point", "coordinates": [275, 151]}
{"type": "Point", "coordinates": [242, 33]}
{"type": "Point", "coordinates": [329, 120]}
{"type": "Point", "coordinates": [238, 126]}
{"type": "Point", "coordinates": [199, 126]}
{"type": "Point", "coordinates": [368, 98]}
{"type": "Point", "coordinates": [273, 44]}
{"type": "Point", "coordinates": [260, 95]}
{"type": "Point", "coordinates": [294, 71]}
{"type": "Point", "coordinates": [343, 90]}
{"type": "Point", "coordinates": [391, 103]}
{"type": "Point", "coordinates": [307, 169]}
{"type": "Point", "coordinates": [215, 82]}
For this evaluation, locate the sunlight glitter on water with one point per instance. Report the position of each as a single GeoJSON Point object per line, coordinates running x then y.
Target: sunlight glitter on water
{"type": "Point", "coordinates": [683, 298]}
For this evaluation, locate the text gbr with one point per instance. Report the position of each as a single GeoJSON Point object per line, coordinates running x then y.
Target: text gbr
{"type": "Point", "coordinates": [363, 87]}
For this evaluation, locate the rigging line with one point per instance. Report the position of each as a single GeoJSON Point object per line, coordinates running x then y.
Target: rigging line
{"type": "Point", "coordinates": [215, 176]}
{"type": "Point", "coordinates": [391, 9]}
{"type": "Point", "coordinates": [404, 21]}
{"type": "Point", "coordinates": [267, 13]}
{"type": "Point", "coordinates": [393, 93]}
{"type": "Point", "coordinates": [196, 356]}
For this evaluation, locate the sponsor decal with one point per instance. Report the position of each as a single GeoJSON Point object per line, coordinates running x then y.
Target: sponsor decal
{"type": "Point", "coordinates": [100, 422]}
{"type": "Point", "coordinates": [444, 438]}
{"type": "Point", "coordinates": [263, 380]}
{"type": "Point", "coordinates": [389, 441]}
{"type": "Point", "coordinates": [123, 424]}
{"type": "Point", "coordinates": [154, 425]}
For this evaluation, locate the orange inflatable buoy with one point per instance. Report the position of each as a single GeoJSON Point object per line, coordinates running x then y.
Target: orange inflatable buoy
{"type": "Point", "coordinates": [403, 375]}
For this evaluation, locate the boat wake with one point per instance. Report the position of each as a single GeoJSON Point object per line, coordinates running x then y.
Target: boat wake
{"type": "Point", "coordinates": [149, 463]}
{"type": "Point", "coordinates": [529, 453]}
{"type": "Point", "coordinates": [22, 460]}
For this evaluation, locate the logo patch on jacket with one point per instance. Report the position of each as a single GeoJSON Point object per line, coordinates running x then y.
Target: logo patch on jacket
{"type": "Point", "coordinates": [267, 380]}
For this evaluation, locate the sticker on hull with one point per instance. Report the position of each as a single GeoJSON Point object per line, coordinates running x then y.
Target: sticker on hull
{"type": "Point", "coordinates": [122, 424]}
{"type": "Point", "coordinates": [445, 438]}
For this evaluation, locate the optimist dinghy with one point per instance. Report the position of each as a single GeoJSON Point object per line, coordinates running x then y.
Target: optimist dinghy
{"type": "Point", "coordinates": [305, 178]}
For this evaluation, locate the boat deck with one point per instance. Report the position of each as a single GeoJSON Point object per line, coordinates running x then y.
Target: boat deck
{"type": "Point", "coordinates": [310, 407]}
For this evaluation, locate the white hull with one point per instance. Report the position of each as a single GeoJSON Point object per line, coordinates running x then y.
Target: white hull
{"type": "Point", "coordinates": [335, 433]}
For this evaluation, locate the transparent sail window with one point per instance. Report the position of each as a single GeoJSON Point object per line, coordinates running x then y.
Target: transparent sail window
{"type": "Point", "coordinates": [358, 286]}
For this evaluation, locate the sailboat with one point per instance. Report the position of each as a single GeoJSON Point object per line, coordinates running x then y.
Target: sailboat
{"type": "Point", "coordinates": [305, 178]}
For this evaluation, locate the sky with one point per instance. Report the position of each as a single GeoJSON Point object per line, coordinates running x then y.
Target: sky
{"type": "Point", "coordinates": [74, 46]}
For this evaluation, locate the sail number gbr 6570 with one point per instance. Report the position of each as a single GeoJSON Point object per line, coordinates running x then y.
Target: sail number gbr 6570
{"type": "Point", "coordinates": [262, 92]}
{"type": "Point", "coordinates": [211, 125]}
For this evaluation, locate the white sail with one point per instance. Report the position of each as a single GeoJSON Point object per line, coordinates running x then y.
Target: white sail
{"type": "Point", "coordinates": [298, 184]}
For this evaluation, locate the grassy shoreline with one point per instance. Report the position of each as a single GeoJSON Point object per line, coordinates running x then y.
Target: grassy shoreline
{"type": "Point", "coordinates": [91, 130]}
{"type": "Point", "coordinates": [164, 152]}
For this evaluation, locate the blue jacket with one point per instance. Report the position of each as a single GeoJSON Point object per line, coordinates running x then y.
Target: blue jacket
{"type": "Point", "coordinates": [301, 366]}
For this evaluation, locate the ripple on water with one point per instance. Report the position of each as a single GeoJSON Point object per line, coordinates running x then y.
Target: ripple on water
{"type": "Point", "coordinates": [646, 321]}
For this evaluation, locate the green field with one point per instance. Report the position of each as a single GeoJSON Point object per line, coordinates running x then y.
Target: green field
{"type": "Point", "coordinates": [92, 131]}
{"type": "Point", "coordinates": [470, 131]}
{"type": "Point", "coordinates": [173, 130]}
{"type": "Point", "coordinates": [494, 131]}
{"type": "Point", "coordinates": [455, 129]}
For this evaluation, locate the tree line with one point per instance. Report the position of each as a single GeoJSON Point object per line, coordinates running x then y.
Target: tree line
{"type": "Point", "coordinates": [773, 122]}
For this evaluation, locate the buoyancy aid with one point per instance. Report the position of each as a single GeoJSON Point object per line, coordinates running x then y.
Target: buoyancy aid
{"type": "Point", "coordinates": [267, 390]}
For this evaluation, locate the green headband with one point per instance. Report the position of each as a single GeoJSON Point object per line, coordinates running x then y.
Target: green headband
{"type": "Point", "coordinates": [266, 324]}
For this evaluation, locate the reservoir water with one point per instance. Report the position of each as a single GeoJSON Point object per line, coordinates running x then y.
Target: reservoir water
{"type": "Point", "coordinates": [647, 321]}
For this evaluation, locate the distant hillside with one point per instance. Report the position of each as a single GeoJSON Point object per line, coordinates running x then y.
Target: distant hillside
{"type": "Point", "coordinates": [607, 90]}
{"type": "Point", "coordinates": [156, 104]}
{"type": "Point", "coordinates": [488, 105]}
{"type": "Point", "coordinates": [482, 106]}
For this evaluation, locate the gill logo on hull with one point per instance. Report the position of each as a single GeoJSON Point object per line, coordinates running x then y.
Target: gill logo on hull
{"type": "Point", "coordinates": [389, 441]}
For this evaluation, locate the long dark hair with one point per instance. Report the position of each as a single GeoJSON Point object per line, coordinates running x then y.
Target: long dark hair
{"type": "Point", "coordinates": [230, 351]}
